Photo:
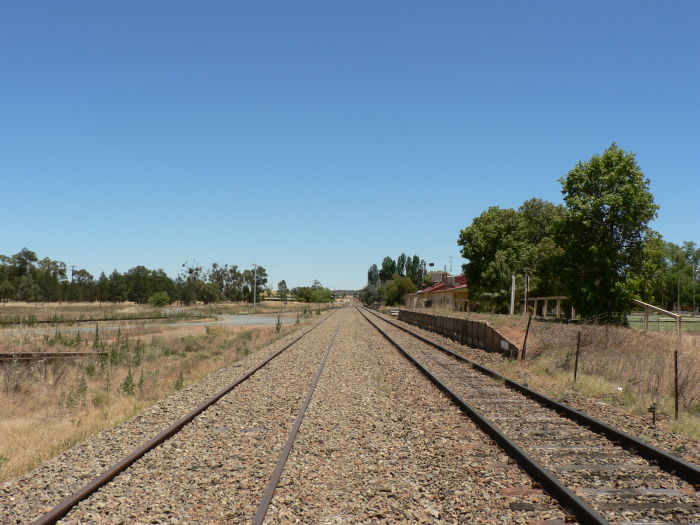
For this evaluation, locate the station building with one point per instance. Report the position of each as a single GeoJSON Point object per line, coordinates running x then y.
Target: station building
{"type": "Point", "coordinates": [449, 292]}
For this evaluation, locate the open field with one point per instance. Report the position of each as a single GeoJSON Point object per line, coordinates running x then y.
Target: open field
{"type": "Point", "coordinates": [48, 406]}
{"type": "Point", "coordinates": [31, 313]}
{"type": "Point", "coordinates": [622, 366]}
{"type": "Point", "coordinates": [13, 313]}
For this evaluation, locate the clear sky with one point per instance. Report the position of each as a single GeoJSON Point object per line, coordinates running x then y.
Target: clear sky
{"type": "Point", "coordinates": [314, 138]}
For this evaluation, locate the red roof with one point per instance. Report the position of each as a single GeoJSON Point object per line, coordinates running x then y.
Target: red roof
{"type": "Point", "coordinates": [460, 282]}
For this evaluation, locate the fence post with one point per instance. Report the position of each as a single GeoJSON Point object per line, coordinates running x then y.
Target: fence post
{"type": "Point", "coordinates": [578, 349]}
{"type": "Point", "coordinates": [523, 353]}
{"type": "Point", "coordinates": [675, 383]}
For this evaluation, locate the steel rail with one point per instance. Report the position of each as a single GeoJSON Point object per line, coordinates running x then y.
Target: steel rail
{"type": "Point", "coordinates": [585, 514]}
{"type": "Point", "coordinates": [279, 467]}
{"type": "Point", "coordinates": [671, 464]}
{"type": "Point", "coordinates": [65, 505]}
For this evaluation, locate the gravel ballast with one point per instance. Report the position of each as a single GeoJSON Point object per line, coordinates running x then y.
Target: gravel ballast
{"type": "Point", "coordinates": [25, 497]}
{"type": "Point", "coordinates": [381, 443]}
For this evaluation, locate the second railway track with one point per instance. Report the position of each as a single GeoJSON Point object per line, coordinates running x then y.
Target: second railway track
{"type": "Point", "coordinates": [199, 449]}
{"type": "Point", "coordinates": [591, 475]}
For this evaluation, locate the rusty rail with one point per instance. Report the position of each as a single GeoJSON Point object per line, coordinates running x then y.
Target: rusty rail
{"type": "Point", "coordinates": [277, 473]}
{"type": "Point", "coordinates": [65, 506]}
{"type": "Point", "coordinates": [585, 514]}
{"type": "Point", "coordinates": [666, 461]}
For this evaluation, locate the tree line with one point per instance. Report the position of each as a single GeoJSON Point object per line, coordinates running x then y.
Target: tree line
{"type": "Point", "coordinates": [25, 277]}
{"type": "Point", "coordinates": [597, 248]}
{"type": "Point", "coordinates": [316, 293]}
{"type": "Point", "coordinates": [396, 278]}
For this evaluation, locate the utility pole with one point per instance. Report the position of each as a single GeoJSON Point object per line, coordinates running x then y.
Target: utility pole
{"type": "Point", "coordinates": [695, 272]}
{"type": "Point", "coordinates": [450, 257]}
{"type": "Point", "coordinates": [527, 286]}
{"type": "Point", "coordinates": [512, 294]}
{"type": "Point", "coordinates": [255, 283]}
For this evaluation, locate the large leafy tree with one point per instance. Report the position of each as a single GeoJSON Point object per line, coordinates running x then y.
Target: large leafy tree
{"type": "Point", "coordinates": [501, 242]}
{"type": "Point", "coordinates": [605, 232]}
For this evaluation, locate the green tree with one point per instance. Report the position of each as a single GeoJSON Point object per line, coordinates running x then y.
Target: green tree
{"type": "Point", "coordinates": [316, 293]}
{"type": "Point", "coordinates": [397, 288]}
{"type": "Point", "coordinates": [283, 290]}
{"type": "Point", "coordinates": [7, 291]}
{"type": "Point", "coordinates": [372, 293]}
{"type": "Point", "coordinates": [159, 299]}
{"type": "Point", "coordinates": [401, 262]}
{"type": "Point", "coordinates": [388, 269]}
{"type": "Point", "coordinates": [491, 246]}
{"type": "Point", "coordinates": [604, 232]}
{"type": "Point", "coordinates": [373, 275]}
{"type": "Point", "coordinates": [208, 293]}
{"type": "Point", "coordinates": [502, 242]}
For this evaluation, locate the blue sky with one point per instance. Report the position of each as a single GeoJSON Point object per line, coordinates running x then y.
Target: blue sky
{"type": "Point", "coordinates": [314, 138]}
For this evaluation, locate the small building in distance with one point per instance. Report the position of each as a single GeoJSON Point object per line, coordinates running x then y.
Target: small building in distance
{"type": "Point", "coordinates": [449, 292]}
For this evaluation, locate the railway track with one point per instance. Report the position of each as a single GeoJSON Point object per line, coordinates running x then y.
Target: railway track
{"type": "Point", "coordinates": [64, 507]}
{"type": "Point", "coordinates": [597, 473]}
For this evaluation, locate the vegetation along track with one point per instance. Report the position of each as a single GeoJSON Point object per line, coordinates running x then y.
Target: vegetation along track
{"type": "Point", "coordinates": [597, 473]}
{"type": "Point", "coordinates": [210, 422]}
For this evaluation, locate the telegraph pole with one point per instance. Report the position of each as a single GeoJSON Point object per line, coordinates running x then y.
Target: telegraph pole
{"type": "Point", "coordinates": [255, 283]}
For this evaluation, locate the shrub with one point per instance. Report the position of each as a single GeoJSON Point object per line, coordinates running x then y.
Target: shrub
{"type": "Point", "coordinates": [159, 299]}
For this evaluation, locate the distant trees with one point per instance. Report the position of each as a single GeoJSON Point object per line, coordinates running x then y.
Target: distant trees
{"type": "Point", "coordinates": [26, 278]}
{"type": "Point", "coordinates": [394, 280]}
{"type": "Point", "coordinates": [159, 299]}
{"type": "Point", "coordinates": [282, 290]}
{"type": "Point", "coordinates": [396, 290]}
{"type": "Point", "coordinates": [316, 293]}
{"type": "Point", "coordinates": [678, 275]}
{"type": "Point", "coordinates": [373, 275]}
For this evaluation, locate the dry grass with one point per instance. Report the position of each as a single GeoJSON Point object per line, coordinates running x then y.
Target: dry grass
{"type": "Point", "coordinates": [48, 406]}
{"type": "Point", "coordinates": [29, 313]}
{"type": "Point", "coordinates": [626, 366]}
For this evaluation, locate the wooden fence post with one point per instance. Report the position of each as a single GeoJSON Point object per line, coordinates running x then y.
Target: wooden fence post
{"type": "Point", "coordinates": [675, 383]}
{"type": "Point", "coordinates": [578, 349]}
{"type": "Point", "coordinates": [523, 352]}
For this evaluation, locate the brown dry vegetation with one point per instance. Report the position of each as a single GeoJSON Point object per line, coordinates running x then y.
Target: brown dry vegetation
{"type": "Point", "coordinates": [47, 406]}
{"type": "Point", "coordinates": [28, 313]}
{"type": "Point", "coordinates": [625, 366]}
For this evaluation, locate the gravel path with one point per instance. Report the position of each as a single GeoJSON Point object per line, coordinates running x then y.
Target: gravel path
{"type": "Point", "coordinates": [25, 497]}
{"type": "Point", "coordinates": [381, 443]}
{"type": "Point", "coordinates": [608, 477]}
